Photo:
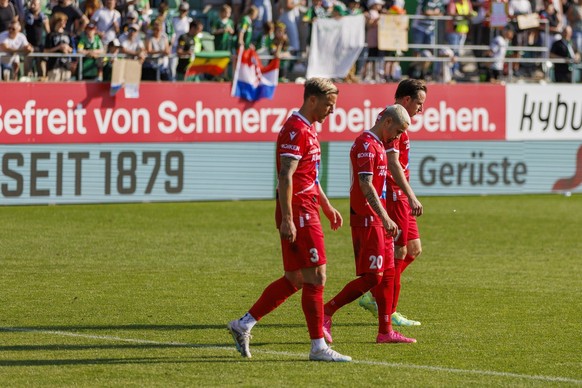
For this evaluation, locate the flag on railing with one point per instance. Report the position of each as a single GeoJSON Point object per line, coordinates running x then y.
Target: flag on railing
{"type": "Point", "coordinates": [253, 81]}
{"type": "Point", "coordinates": [208, 62]}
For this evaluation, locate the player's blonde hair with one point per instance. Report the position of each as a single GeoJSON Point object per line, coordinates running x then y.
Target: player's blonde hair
{"type": "Point", "coordinates": [319, 87]}
{"type": "Point", "coordinates": [398, 114]}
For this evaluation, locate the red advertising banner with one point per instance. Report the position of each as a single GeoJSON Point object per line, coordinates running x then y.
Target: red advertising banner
{"type": "Point", "coordinates": [48, 113]}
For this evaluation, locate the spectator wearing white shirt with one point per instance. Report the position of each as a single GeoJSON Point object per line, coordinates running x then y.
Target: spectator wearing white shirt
{"type": "Point", "coordinates": [108, 22]}
{"type": "Point", "coordinates": [13, 42]}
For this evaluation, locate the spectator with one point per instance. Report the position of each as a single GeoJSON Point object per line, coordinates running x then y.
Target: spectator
{"type": "Point", "coordinates": [354, 8]}
{"type": "Point", "coordinates": [36, 27]}
{"type": "Point", "coordinates": [163, 15]}
{"type": "Point", "coordinates": [245, 28]}
{"type": "Point", "coordinates": [142, 7]}
{"type": "Point", "coordinates": [574, 17]}
{"type": "Point", "coordinates": [89, 7]}
{"type": "Point", "coordinates": [132, 44]}
{"type": "Point", "coordinates": [158, 49]}
{"type": "Point", "coordinates": [555, 24]}
{"type": "Point", "coordinates": [113, 50]}
{"type": "Point", "coordinates": [458, 28]}
{"type": "Point", "coordinates": [265, 14]}
{"type": "Point", "coordinates": [181, 25]}
{"type": "Point", "coordinates": [563, 49]}
{"type": "Point", "coordinates": [279, 48]}
{"type": "Point", "coordinates": [423, 29]}
{"type": "Point", "coordinates": [108, 21]}
{"type": "Point", "coordinates": [267, 37]}
{"type": "Point", "coordinates": [7, 13]}
{"type": "Point", "coordinates": [290, 16]}
{"type": "Point", "coordinates": [498, 50]}
{"type": "Point", "coordinates": [59, 42]}
{"type": "Point", "coordinates": [13, 43]}
{"type": "Point", "coordinates": [316, 11]}
{"type": "Point", "coordinates": [76, 20]}
{"type": "Point", "coordinates": [375, 61]}
{"type": "Point", "coordinates": [131, 17]}
{"type": "Point", "coordinates": [223, 29]}
{"type": "Point", "coordinates": [91, 46]}
{"type": "Point", "coordinates": [188, 45]}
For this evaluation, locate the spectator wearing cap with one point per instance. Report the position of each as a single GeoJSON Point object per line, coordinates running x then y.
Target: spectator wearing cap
{"type": "Point", "coordinates": [374, 66]}
{"type": "Point", "coordinates": [131, 17]}
{"type": "Point", "coordinates": [13, 42]}
{"type": "Point", "coordinates": [108, 22]}
{"type": "Point", "coordinates": [132, 44]}
{"type": "Point", "coordinates": [181, 26]}
{"type": "Point", "coordinates": [91, 46]}
{"type": "Point", "coordinates": [113, 50]}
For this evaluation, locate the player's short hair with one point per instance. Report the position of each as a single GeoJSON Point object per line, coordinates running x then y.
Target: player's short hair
{"type": "Point", "coordinates": [397, 113]}
{"type": "Point", "coordinates": [410, 87]}
{"type": "Point", "coordinates": [319, 87]}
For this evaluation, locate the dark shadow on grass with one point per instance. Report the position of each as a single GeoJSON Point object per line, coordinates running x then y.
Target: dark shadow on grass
{"type": "Point", "coordinates": [113, 361]}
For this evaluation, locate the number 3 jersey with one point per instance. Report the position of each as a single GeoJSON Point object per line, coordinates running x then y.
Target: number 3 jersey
{"type": "Point", "coordinates": [298, 140]}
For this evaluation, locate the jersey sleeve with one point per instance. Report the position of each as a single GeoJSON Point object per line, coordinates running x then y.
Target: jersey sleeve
{"type": "Point", "coordinates": [393, 146]}
{"type": "Point", "coordinates": [292, 144]}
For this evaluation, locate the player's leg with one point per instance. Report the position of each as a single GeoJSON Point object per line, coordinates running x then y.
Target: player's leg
{"type": "Point", "coordinates": [405, 255]}
{"type": "Point", "coordinates": [272, 297]}
{"type": "Point", "coordinates": [384, 293]}
{"type": "Point", "coordinates": [369, 245]}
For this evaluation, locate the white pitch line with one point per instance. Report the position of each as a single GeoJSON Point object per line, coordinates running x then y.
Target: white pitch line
{"type": "Point", "coordinates": [299, 355]}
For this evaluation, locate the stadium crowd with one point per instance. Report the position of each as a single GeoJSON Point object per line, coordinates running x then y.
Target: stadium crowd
{"type": "Point", "coordinates": [163, 36]}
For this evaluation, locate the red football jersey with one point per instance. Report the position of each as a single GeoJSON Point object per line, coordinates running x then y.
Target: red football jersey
{"type": "Point", "coordinates": [298, 140]}
{"type": "Point", "coordinates": [402, 147]}
{"type": "Point", "coordinates": [367, 156]}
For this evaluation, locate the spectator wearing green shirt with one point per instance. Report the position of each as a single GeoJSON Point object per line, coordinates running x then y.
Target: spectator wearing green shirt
{"type": "Point", "coordinates": [91, 46]}
{"type": "Point", "coordinates": [223, 29]}
{"type": "Point", "coordinates": [245, 29]}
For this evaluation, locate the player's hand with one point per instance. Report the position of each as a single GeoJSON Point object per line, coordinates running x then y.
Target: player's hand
{"type": "Point", "coordinates": [335, 218]}
{"type": "Point", "coordinates": [391, 227]}
{"type": "Point", "coordinates": [415, 206]}
{"type": "Point", "coordinates": [287, 230]}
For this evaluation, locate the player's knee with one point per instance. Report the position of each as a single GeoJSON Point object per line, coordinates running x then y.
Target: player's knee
{"type": "Point", "coordinates": [372, 279]}
{"type": "Point", "coordinates": [400, 253]}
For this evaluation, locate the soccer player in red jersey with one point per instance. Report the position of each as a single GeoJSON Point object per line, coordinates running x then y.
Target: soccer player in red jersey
{"type": "Point", "coordinates": [402, 205]}
{"type": "Point", "coordinates": [372, 228]}
{"type": "Point", "coordinates": [299, 197]}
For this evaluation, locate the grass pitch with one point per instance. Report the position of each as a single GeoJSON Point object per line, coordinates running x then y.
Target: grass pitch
{"type": "Point", "coordinates": [139, 295]}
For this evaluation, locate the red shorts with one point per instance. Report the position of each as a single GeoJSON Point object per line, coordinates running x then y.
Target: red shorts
{"type": "Point", "coordinates": [399, 211]}
{"type": "Point", "coordinates": [307, 251]}
{"type": "Point", "coordinates": [373, 249]}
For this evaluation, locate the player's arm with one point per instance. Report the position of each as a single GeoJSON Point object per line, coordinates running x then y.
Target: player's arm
{"type": "Point", "coordinates": [365, 182]}
{"type": "Point", "coordinates": [400, 179]}
{"type": "Point", "coordinates": [332, 214]}
{"type": "Point", "coordinates": [287, 228]}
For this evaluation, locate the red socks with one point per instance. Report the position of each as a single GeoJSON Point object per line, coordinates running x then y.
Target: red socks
{"type": "Point", "coordinates": [275, 294]}
{"type": "Point", "coordinates": [384, 293]}
{"type": "Point", "coordinates": [352, 291]}
{"type": "Point", "coordinates": [407, 261]}
{"type": "Point", "coordinates": [312, 304]}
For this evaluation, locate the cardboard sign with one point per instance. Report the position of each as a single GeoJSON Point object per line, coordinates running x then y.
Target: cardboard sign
{"type": "Point", "coordinates": [393, 33]}
{"type": "Point", "coordinates": [525, 22]}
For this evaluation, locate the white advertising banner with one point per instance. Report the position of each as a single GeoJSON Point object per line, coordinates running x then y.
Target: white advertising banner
{"type": "Point", "coordinates": [544, 112]}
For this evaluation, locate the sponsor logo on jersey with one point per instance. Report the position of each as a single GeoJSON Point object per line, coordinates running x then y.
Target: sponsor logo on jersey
{"type": "Point", "coordinates": [365, 154]}
{"type": "Point", "coordinates": [290, 147]}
